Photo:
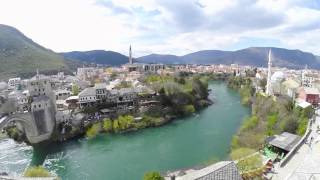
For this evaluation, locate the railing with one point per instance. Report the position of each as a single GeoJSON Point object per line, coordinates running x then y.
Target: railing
{"type": "Point", "coordinates": [287, 158]}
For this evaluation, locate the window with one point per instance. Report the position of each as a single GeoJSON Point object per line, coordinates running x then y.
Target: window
{"type": "Point", "coordinates": [39, 105]}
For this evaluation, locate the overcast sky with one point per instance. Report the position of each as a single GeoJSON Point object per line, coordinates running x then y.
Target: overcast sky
{"type": "Point", "coordinates": [166, 26]}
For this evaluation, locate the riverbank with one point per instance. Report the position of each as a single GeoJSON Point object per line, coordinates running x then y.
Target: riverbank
{"type": "Point", "coordinates": [178, 96]}
{"type": "Point", "coordinates": [185, 142]}
{"type": "Point", "coordinates": [269, 116]}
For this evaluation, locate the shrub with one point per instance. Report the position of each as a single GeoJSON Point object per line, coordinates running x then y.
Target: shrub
{"type": "Point", "coordinates": [241, 153]}
{"type": "Point", "coordinates": [250, 163]}
{"type": "Point", "coordinates": [302, 126]}
{"type": "Point", "coordinates": [107, 125]}
{"type": "Point", "coordinates": [93, 130]}
{"type": "Point", "coordinates": [249, 123]}
{"type": "Point", "coordinates": [271, 121]}
{"type": "Point", "coordinates": [188, 109]}
{"type": "Point", "coordinates": [152, 176]}
{"type": "Point", "coordinates": [37, 171]}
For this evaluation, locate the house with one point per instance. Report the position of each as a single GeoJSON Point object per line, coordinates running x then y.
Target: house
{"type": "Point", "coordinates": [14, 83]}
{"type": "Point", "coordinates": [310, 95]}
{"type": "Point", "coordinates": [62, 94]}
{"type": "Point", "coordinates": [101, 92]}
{"type": "Point", "coordinates": [61, 105]}
{"type": "Point", "coordinates": [72, 102]}
{"type": "Point", "coordinates": [87, 97]}
{"type": "Point", "coordinates": [289, 88]}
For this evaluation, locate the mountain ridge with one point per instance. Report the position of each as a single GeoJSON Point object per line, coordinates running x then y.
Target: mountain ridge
{"type": "Point", "coordinates": [111, 58]}
{"type": "Point", "coordinates": [21, 56]}
{"type": "Point", "coordinates": [255, 56]}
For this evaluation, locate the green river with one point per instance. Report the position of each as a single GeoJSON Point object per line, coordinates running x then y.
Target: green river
{"type": "Point", "coordinates": [196, 140]}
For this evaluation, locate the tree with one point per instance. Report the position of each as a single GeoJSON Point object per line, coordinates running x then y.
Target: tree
{"type": "Point", "coordinates": [188, 109]}
{"type": "Point", "coordinates": [37, 171]}
{"type": "Point", "coordinates": [152, 176]}
{"type": "Point", "coordinates": [75, 89]}
{"type": "Point", "coordinates": [107, 125]}
{"type": "Point", "coordinates": [93, 131]}
{"type": "Point", "coordinates": [263, 84]}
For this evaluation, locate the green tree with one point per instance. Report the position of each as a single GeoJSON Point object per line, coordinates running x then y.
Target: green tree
{"type": "Point", "coordinates": [107, 125]}
{"type": "Point", "coordinates": [37, 171]}
{"type": "Point", "coordinates": [302, 126]}
{"type": "Point", "coordinates": [152, 176]}
{"type": "Point", "coordinates": [75, 89]}
{"type": "Point", "coordinates": [116, 126]}
{"type": "Point", "coordinates": [271, 121]}
{"type": "Point", "coordinates": [188, 109]}
{"type": "Point", "coordinates": [93, 130]}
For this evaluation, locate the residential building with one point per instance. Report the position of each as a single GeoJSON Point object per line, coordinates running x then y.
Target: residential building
{"type": "Point", "coordinates": [14, 83]}
{"type": "Point", "coordinates": [87, 97]}
{"type": "Point", "coordinates": [310, 95]}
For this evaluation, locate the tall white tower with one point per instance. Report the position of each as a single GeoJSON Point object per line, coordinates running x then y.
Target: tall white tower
{"type": "Point", "coordinates": [130, 55]}
{"type": "Point", "coordinates": [269, 88]}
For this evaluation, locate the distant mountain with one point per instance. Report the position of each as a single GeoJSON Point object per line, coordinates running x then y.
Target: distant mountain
{"type": "Point", "coordinates": [157, 58]}
{"type": "Point", "coordinates": [254, 56]}
{"type": "Point", "coordinates": [98, 57]}
{"type": "Point", "coordinates": [20, 56]}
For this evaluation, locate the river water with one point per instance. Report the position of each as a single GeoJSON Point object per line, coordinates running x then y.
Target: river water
{"type": "Point", "coordinates": [196, 140]}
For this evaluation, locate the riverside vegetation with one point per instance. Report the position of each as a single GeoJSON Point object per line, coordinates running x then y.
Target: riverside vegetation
{"type": "Point", "coordinates": [179, 95]}
{"type": "Point", "coordinates": [269, 116]}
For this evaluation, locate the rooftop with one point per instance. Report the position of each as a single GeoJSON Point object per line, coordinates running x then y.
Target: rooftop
{"type": "Point", "coordinates": [309, 90]}
{"type": "Point", "coordinates": [285, 141]}
{"type": "Point", "coordinates": [100, 86]}
{"type": "Point", "coordinates": [224, 170]}
{"type": "Point", "coordinates": [88, 92]}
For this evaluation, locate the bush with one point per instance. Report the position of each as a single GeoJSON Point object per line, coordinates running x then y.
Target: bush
{"type": "Point", "coordinates": [241, 153]}
{"type": "Point", "coordinates": [271, 121]}
{"type": "Point", "coordinates": [123, 123]}
{"type": "Point", "coordinates": [37, 171]}
{"type": "Point", "coordinates": [249, 123]}
{"type": "Point", "coordinates": [302, 126]}
{"type": "Point", "coordinates": [107, 125]}
{"type": "Point", "coordinates": [93, 131]}
{"type": "Point", "coordinates": [188, 109]}
{"type": "Point", "coordinates": [152, 176]}
{"type": "Point", "coordinates": [250, 163]}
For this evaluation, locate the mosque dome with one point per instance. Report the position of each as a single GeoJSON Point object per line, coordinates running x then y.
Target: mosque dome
{"type": "Point", "coordinates": [277, 76]}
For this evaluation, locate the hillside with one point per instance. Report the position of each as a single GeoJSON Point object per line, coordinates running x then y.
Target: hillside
{"type": "Point", "coordinates": [98, 57]}
{"type": "Point", "coordinates": [20, 56]}
{"type": "Point", "coordinates": [255, 56]}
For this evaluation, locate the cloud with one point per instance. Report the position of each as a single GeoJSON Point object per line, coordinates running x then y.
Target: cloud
{"type": "Point", "coordinates": [166, 26]}
{"type": "Point", "coordinates": [114, 8]}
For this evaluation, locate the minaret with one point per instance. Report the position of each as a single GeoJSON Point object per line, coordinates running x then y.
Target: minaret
{"type": "Point", "coordinates": [269, 88]}
{"type": "Point", "coordinates": [37, 75]}
{"type": "Point", "coordinates": [130, 55]}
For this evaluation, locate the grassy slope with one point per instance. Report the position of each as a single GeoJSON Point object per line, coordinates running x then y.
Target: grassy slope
{"type": "Point", "coordinates": [20, 56]}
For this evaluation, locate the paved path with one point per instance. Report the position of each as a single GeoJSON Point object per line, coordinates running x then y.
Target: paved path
{"type": "Point", "coordinates": [305, 164]}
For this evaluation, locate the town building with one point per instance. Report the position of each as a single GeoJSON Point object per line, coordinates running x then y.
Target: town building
{"type": "Point", "coordinates": [14, 83]}
{"type": "Point", "coordinates": [310, 95]}
{"type": "Point", "coordinates": [87, 97]}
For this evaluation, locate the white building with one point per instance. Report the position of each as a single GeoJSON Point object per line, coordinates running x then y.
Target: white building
{"type": "Point", "coordinates": [13, 83]}
{"type": "Point", "coordinates": [62, 94]}
{"type": "Point", "coordinates": [87, 97]}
